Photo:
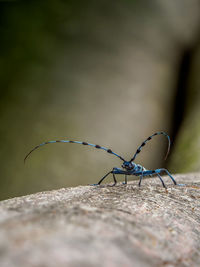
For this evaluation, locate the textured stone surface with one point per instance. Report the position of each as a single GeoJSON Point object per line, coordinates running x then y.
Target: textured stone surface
{"type": "Point", "coordinates": [104, 226]}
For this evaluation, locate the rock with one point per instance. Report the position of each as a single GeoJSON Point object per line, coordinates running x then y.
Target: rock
{"type": "Point", "coordinates": [104, 226]}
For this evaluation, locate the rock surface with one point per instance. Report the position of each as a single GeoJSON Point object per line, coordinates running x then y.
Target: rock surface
{"type": "Point", "coordinates": [104, 226]}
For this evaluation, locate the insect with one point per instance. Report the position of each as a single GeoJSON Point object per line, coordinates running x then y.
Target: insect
{"type": "Point", "coordinates": [128, 167]}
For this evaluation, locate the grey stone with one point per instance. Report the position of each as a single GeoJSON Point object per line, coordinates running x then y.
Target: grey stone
{"type": "Point", "coordinates": [104, 226]}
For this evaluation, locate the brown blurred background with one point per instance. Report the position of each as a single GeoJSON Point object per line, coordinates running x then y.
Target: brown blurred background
{"type": "Point", "coordinates": [105, 72]}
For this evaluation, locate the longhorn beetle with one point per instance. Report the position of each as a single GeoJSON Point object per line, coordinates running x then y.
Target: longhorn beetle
{"type": "Point", "coordinates": [128, 167]}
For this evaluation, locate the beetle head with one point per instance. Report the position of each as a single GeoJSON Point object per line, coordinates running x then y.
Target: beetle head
{"type": "Point", "coordinates": [128, 165]}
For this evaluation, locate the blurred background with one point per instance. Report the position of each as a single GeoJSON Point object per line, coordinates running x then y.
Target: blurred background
{"type": "Point", "coordinates": [105, 72]}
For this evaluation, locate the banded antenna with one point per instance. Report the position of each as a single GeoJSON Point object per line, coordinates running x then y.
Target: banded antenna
{"type": "Point", "coordinates": [73, 142]}
{"type": "Point", "coordinates": [148, 139]}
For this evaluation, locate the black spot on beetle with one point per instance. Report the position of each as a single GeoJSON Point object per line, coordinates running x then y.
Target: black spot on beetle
{"type": "Point", "coordinates": [109, 151]}
{"type": "Point", "coordinates": [85, 143]}
{"type": "Point", "coordinates": [97, 146]}
{"type": "Point", "coordinates": [149, 138]}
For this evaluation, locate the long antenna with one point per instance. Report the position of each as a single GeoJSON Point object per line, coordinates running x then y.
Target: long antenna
{"type": "Point", "coordinates": [148, 139]}
{"type": "Point", "coordinates": [73, 142]}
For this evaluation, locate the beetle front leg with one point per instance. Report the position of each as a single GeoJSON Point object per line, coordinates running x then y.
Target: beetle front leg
{"type": "Point", "coordinates": [103, 178]}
